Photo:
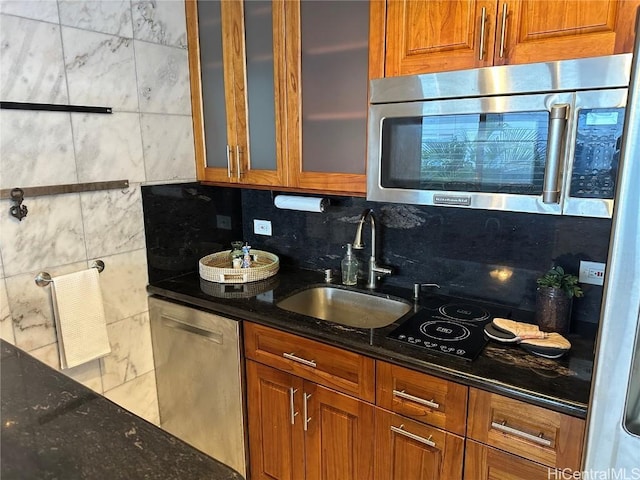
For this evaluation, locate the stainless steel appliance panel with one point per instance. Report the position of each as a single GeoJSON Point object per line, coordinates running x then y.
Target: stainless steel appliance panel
{"type": "Point", "coordinates": [613, 436]}
{"type": "Point", "coordinates": [198, 376]}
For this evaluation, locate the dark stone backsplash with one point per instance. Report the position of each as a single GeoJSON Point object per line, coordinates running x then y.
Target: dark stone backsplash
{"type": "Point", "coordinates": [490, 255]}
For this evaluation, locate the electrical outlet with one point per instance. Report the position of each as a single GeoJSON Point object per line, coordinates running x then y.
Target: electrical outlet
{"type": "Point", "coordinates": [591, 273]}
{"type": "Point", "coordinates": [262, 227]}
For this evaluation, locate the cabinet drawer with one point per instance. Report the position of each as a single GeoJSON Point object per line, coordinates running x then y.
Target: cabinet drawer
{"type": "Point", "coordinates": [428, 399]}
{"type": "Point", "coordinates": [486, 463]}
{"type": "Point", "coordinates": [547, 437]}
{"type": "Point", "coordinates": [333, 367]}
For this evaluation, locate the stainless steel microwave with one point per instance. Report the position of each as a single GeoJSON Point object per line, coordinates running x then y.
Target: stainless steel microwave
{"type": "Point", "coordinates": [542, 138]}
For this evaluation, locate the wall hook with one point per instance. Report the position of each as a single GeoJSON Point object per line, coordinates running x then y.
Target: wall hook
{"type": "Point", "coordinates": [18, 210]}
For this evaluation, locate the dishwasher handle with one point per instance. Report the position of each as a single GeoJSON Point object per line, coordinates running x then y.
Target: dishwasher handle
{"type": "Point", "coordinates": [172, 322]}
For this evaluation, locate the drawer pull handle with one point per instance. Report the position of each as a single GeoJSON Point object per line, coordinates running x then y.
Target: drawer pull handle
{"type": "Point", "coordinates": [421, 401]}
{"type": "Point", "coordinates": [308, 363]}
{"type": "Point", "coordinates": [400, 430]}
{"type": "Point", "coordinates": [503, 427]}
{"type": "Point", "coordinates": [292, 392]}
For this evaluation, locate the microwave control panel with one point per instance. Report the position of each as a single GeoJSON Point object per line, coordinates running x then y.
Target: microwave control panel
{"type": "Point", "coordinates": [597, 152]}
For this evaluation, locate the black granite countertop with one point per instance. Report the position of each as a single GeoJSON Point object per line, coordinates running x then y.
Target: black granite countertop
{"type": "Point", "coordinates": [56, 428]}
{"type": "Point", "coordinates": [561, 385]}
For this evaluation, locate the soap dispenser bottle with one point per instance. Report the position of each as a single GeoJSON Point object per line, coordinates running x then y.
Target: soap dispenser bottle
{"type": "Point", "coordinates": [349, 267]}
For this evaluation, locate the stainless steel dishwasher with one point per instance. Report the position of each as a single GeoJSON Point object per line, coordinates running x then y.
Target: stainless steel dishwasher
{"type": "Point", "coordinates": [199, 379]}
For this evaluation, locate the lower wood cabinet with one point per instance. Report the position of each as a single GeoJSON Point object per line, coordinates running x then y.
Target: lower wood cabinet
{"type": "Point", "coordinates": [311, 416]}
{"type": "Point", "coordinates": [301, 430]}
{"type": "Point", "coordinates": [486, 463]}
{"type": "Point", "coordinates": [409, 450]}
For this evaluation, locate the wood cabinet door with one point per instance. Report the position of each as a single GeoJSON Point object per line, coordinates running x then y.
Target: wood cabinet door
{"type": "Point", "coordinates": [438, 35]}
{"type": "Point", "coordinates": [538, 31]}
{"type": "Point", "coordinates": [408, 450]}
{"type": "Point", "coordinates": [326, 88]}
{"type": "Point", "coordinates": [235, 59]}
{"type": "Point", "coordinates": [276, 435]}
{"type": "Point", "coordinates": [339, 440]}
{"type": "Point", "coordinates": [485, 463]}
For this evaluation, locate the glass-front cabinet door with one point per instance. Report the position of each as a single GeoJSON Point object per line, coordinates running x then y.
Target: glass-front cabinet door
{"type": "Point", "coordinates": [235, 90]}
{"type": "Point", "coordinates": [327, 73]}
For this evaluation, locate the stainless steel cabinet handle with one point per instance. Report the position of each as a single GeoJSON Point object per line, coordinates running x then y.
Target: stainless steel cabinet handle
{"type": "Point", "coordinates": [400, 430]}
{"type": "Point", "coordinates": [557, 124]}
{"type": "Point", "coordinates": [229, 161]}
{"type": "Point", "coordinates": [171, 322]}
{"type": "Point", "coordinates": [503, 427]}
{"type": "Point", "coordinates": [422, 401]}
{"type": "Point", "coordinates": [483, 21]}
{"type": "Point", "coordinates": [307, 419]}
{"type": "Point", "coordinates": [238, 162]}
{"type": "Point", "coordinates": [292, 356]}
{"type": "Point", "coordinates": [292, 392]}
{"type": "Point", "coordinates": [504, 29]}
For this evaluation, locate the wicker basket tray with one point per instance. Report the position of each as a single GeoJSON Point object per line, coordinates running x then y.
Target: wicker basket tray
{"type": "Point", "coordinates": [217, 267]}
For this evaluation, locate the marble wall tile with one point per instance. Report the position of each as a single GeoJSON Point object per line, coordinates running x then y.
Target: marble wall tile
{"type": "Point", "coordinates": [100, 69]}
{"type": "Point", "coordinates": [113, 221]}
{"type": "Point", "coordinates": [138, 396]}
{"type": "Point", "coordinates": [32, 64]}
{"type": "Point", "coordinates": [108, 147]}
{"type": "Point", "coordinates": [123, 283]}
{"type": "Point", "coordinates": [160, 22]}
{"type": "Point", "coordinates": [168, 147]}
{"type": "Point", "coordinates": [51, 234]}
{"type": "Point", "coordinates": [6, 325]}
{"type": "Point", "coordinates": [48, 355]}
{"type": "Point", "coordinates": [31, 307]}
{"type": "Point", "coordinates": [45, 10]}
{"type": "Point", "coordinates": [107, 16]}
{"type": "Point", "coordinates": [131, 352]}
{"type": "Point", "coordinates": [36, 148]}
{"type": "Point", "coordinates": [163, 79]}
{"type": "Point", "coordinates": [89, 374]}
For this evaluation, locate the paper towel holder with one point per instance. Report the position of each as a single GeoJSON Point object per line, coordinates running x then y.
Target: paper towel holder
{"type": "Point", "coordinates": [300, 203]}
{"type": "Point", "coordinates": [43, 278]}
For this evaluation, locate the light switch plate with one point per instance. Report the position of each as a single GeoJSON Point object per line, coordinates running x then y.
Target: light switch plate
{"type": "Point", "coordinates": [591, 273]}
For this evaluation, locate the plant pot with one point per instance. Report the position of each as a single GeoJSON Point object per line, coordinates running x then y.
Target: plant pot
{"type": "Point", "coordinates": [553, 309]}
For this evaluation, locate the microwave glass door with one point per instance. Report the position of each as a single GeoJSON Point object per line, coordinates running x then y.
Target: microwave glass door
{"type": "Point", "coordinates": [466, 152]}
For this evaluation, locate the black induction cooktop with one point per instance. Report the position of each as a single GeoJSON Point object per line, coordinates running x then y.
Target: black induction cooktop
{"type": "Point", "coordinates": [450, 326]}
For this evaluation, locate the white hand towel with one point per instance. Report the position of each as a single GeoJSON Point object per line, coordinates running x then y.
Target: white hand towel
{"type": "Point", "coordinates": [79, 314]}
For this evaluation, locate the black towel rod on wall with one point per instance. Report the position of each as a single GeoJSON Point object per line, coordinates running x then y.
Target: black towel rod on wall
{"type": "Point", "coordinates": [17, 194]}
{"type": "Point", "coordinates": [51, 107]}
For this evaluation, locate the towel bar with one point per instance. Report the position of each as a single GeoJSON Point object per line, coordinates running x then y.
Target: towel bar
{"type": "Point", "coordinates": [43, 278]}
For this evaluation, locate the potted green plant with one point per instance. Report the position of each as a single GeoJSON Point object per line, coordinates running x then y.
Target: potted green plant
{"type": "Point", "coordinates": [554, 299]}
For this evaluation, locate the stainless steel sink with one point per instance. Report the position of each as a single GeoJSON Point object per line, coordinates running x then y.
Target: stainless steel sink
{"type": "Point", "coordinates": [346, 307]}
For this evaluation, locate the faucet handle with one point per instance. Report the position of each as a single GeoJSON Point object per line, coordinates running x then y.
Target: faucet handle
{"type": "Point", "coordinates": [418, 286]}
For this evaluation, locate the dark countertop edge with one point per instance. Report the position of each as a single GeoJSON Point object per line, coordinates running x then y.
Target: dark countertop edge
{"type": "Point", "coordinates": [575, 409]}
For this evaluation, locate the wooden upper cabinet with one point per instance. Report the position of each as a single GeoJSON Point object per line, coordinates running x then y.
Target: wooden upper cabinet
{"type": "Point", "coordinates": [235, 49]}
{"type": "Point", "coordinates": [429, 36]}
{"type": "Point", "coordinates": [433, 36]}
{"type": "Point", "coordinates": [279, 93]}
{"type": "Point", "coordinates": [327, 81]}
{"type": "Point", "coordinates": [540, 31]}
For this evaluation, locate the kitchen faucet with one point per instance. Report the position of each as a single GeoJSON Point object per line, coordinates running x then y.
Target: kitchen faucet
{"type": "Point", "coordinates": [375, 271]}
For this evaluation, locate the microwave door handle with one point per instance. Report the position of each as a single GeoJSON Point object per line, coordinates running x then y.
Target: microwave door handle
{"type": "Point", "coordinates": [557, 125]}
